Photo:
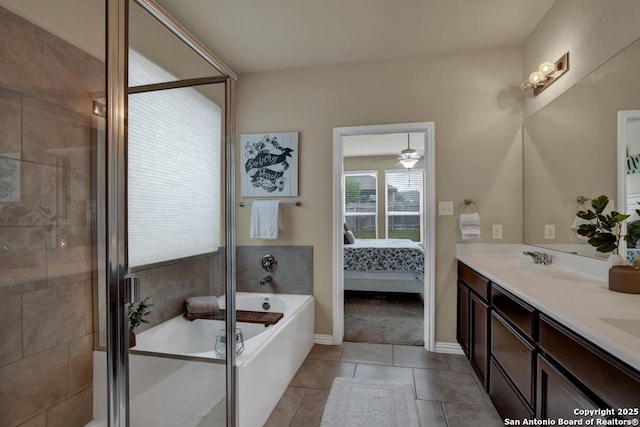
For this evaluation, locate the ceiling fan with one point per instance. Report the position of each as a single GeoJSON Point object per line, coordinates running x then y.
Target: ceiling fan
{"type": "Point", "coordinates": [409, 157]}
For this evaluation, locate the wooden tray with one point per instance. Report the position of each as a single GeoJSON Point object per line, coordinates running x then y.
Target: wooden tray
{"type": "Point", "coordinates": [264, 317]}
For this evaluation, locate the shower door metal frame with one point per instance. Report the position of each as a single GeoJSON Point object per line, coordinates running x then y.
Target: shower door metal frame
{"type": "Point", "coordinates": [117, 50]}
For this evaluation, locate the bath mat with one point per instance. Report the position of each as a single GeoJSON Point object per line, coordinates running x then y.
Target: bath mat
{"type": "Point", "coordinates": [355, 402]}
{"type": "Point", "coordinates": [265, 317]}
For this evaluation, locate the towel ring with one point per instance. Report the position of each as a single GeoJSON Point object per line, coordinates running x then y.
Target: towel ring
{"type": "Point", "coordinates": [468, 206]}
{"type": "Point", "coordinates": [582, 200]}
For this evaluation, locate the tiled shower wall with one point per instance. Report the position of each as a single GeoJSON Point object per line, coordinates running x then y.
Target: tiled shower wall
{"type": "Point", "coordinates": [46, 247]}
{"type": "Point", "coordinates": [294, 274]}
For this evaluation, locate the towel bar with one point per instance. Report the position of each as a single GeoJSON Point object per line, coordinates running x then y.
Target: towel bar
{"type": "Point", "coordinates": [297, 203]}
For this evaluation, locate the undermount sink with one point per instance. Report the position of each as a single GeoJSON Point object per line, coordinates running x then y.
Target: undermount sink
{"type": "Point", "coordinates": [630, 326]}
{"type": "Point", "coordinates": [527, 266]}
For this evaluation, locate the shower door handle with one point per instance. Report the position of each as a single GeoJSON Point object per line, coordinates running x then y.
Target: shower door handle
{"type": "Point", "coordinates": [132, 289]}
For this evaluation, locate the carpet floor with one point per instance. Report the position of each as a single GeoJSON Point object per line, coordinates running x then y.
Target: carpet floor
{"type": "Point", "coordinates": [384, 318]}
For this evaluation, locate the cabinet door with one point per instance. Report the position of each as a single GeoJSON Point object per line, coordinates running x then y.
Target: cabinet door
{"type": "Point", "coordinates": [507, 401]}
{"type": "Point", "coordinates": [479, 316]}
{"type": "Point", "coordinates": [557, 396]}
{"type": "Point", "coordinates": [463, 317]}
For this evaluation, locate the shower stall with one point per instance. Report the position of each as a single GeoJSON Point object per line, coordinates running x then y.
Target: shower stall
{"type": "Point", "coordinates": [116, 186]}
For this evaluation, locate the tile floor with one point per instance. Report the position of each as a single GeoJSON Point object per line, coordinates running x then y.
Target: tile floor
{"type": "Point", "coordinates": [448, 392]}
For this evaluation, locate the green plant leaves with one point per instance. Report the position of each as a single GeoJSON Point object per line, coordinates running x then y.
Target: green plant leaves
{"type": "Point", "coordinates": [604, 230]}
{"type": "Point", "coordinates": [600, 203]}
{"type": "Point", "coordinates": [588, 215]}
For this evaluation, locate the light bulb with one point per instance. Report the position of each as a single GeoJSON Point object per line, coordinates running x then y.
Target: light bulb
{"type": "Point", "coordinates": [536, 77]}
{"type": "Point", "coordinates": [547, 68]}
{"type": "Point", "coordinates": [409, 163]}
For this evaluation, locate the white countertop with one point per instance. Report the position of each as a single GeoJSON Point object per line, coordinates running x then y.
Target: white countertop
{"type": "Point", "coordinates": [583, 303]}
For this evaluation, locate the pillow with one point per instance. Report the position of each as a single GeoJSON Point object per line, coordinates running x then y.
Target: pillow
{"type": "Point", "coordinates": [350, 237]}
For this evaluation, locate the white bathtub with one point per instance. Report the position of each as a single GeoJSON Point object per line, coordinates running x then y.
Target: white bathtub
{"type": "Point", "coordinates": [270, 359]}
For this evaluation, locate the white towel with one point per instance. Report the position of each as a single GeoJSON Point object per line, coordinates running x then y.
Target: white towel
{"type": "Point", "coordinates": [266, 219]}
{"type": "Point", "coordinates": [470, 225]}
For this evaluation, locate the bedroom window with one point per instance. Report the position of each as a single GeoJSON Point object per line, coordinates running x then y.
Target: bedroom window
{"type": "Point", "coordinates": [360, 203]}
{"type": "Point", "coordinates": [174, 169]}
{"type": "Point", "coordinates": [404, 204]}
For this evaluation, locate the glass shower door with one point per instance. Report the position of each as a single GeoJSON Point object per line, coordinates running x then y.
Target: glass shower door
{"type": "Point", "coordinates": [170, 236]}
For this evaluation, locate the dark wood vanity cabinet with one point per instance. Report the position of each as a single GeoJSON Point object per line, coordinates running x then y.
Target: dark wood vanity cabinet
{"type": "Point", "coordinates": [513, 350]}
{"type": "Point", "coordinates": [462, 333]}
{"type": "Point", "coordinates": [473, 319]}
{"type": "Point", "coordinates": [558, 397]}
{"type": "Point", "coordinates": [531, 365]}
{"type": "Point", "coordinates": [612, 383]}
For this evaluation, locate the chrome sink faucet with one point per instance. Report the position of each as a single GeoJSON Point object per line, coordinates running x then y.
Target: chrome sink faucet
{"type": "Point", "coordinates": [539, 257]}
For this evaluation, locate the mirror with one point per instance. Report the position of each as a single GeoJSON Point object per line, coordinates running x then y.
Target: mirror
{"type": "Point", "coordinates": [570, 150]}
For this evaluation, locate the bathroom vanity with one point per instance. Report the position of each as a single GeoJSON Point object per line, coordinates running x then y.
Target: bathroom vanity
{"type": "Point", "coordinates": [548, 341]}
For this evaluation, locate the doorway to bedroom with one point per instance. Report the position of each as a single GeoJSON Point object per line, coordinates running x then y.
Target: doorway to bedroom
{"type": "Point", "coordinates": [383, 201]}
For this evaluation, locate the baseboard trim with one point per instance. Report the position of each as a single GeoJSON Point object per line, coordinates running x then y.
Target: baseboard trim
{"type": "Point", "coordinates": [448, 347]}
{"type": "Point", "coordinates": [323, 339]}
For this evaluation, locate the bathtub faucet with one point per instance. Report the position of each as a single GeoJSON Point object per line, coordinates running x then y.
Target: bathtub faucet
{"type": "Point", "coordinates": [265, 280]}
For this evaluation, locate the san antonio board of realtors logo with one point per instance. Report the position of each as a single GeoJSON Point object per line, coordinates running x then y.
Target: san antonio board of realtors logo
{"type": "Point", "coordinates": [270, 164]}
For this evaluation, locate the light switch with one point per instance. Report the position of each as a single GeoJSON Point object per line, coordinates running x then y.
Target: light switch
{"type": "Point", "coordinates": [496, 231]}
{"type": "Point", "coordinates": [445, 208]}
{"type": "Point", "coordinates": [549, 231]}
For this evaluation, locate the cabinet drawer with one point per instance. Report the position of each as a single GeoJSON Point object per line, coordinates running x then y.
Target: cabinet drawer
{"type": "Point", "coordinates": [515, 355]}
{"type": "Point", "coordinates": [517, 312]}
{"type": "Point", "coordinates": [478, 283]}
{"type": "Point", "coordinates": [506, 400]}
{"type": "Point", "coordinates": [558, 397]}
{"type": "Point", "coordinates": [615, 383]}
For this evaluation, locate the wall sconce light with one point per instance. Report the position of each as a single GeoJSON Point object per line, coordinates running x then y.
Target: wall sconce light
{"type": "Point", "coordinates": [547, 73]}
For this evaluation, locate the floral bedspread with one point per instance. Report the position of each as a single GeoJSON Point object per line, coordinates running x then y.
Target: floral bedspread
{"type": "Point", "coordinates": [384, 255]}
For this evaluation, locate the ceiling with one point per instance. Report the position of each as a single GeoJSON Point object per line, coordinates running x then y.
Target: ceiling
{"type": "Point", "coordinates": [262, 35]}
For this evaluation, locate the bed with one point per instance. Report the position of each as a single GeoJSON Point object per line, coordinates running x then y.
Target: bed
{"type": "Point", "coordinates": [384, 265]}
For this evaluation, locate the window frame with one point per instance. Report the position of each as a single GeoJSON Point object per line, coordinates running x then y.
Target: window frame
{"type": "Point", "coordinates": [370, 172]}
{"type": "Point", "coordinates": [386, 202]}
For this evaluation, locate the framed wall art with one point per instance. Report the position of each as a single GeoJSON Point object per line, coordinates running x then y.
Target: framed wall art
{"type": "Point", "coordinates": [269, 165]}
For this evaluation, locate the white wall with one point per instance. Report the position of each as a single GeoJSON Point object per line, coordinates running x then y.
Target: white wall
{"type": "Point", "coordinates": [472, 97]}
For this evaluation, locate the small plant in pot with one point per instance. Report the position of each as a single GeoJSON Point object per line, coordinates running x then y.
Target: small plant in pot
{"type": "Point", "coordinates": [138, 313]}
{"type": "Point", "coordinates": [604, 230]}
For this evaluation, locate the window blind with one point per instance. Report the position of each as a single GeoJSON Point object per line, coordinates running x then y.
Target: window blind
{"type": "Point", "coordinates": [361, 195]}
{"type": "Point", "coordinates": [404, 204]}
{"type": "Point", "coordinates": [174, 143]}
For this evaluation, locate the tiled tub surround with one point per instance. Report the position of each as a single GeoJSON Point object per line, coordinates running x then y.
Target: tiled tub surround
{"type": "Point", "coordinates": [294, 274]}
{"type": "Point", "coordinates": [46, 247]}
{"type": "Point", "coordinates": [168, 286]}
{"type": "Point", "coordinates": [265, 368]}
{"type": "Point", "coordinates": [579, 301]}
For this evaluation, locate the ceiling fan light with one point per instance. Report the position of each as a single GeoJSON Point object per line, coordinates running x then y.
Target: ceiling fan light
{"type": "Point", "coordinates": [409, 163]}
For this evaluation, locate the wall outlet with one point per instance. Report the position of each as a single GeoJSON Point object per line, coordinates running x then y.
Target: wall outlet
{"type": "Point", "coordinates": [496, 231]}
{"type": "Point", "coordinates": [549, 231]}
{"type": "Point", "coordinates": [445, 208]}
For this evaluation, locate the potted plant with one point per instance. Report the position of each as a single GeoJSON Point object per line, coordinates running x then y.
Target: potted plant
{"type": "Point", "coordinates": [138, 313]}
{"type": "Point", "coordinates": [604, 230]}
